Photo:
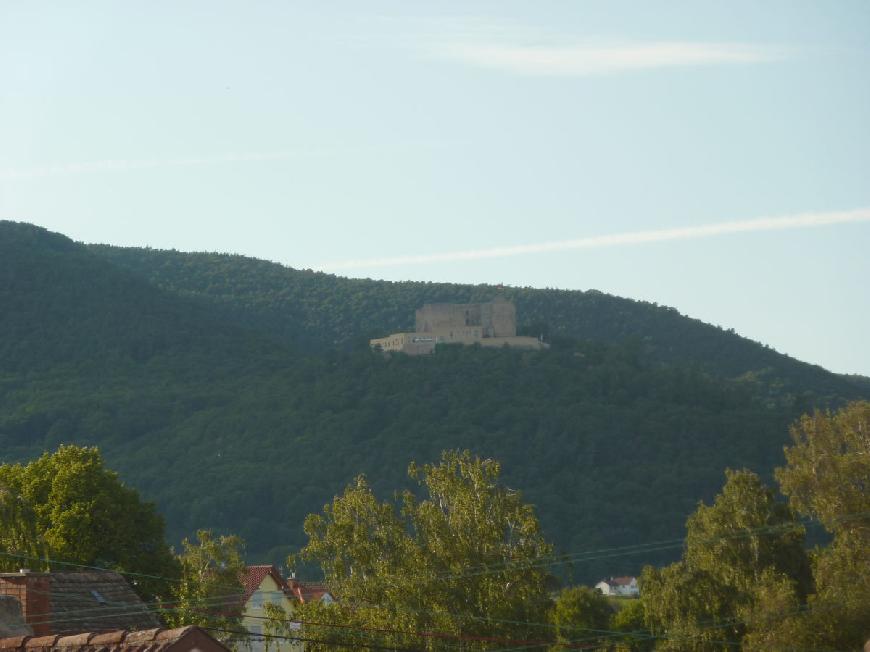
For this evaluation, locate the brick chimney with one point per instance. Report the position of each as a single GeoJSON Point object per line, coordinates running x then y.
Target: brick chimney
{"type": "Point", "coordinates": [32, 590]}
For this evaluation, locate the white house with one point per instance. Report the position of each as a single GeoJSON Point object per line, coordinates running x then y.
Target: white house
{"type": "Point", "coordinates": [625, 587]}
{"type": "Point", "coordinates": [265, 585]}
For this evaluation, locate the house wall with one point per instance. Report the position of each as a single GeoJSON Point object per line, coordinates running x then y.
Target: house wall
{"type": "Point", "coordinates": [604, 587]}
{"type": "Point", "coordinates": [254, 614]}
{"type": "Point", "coordinates": [32, 590]}
{"type": "Point", "coordinates": [11, 619]}
{"type": "Point", "coordinates": [629, 590]}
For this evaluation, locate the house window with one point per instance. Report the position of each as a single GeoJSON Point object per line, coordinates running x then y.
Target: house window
{"type": "Point", "coordinates": [257, 600]}
{"type": "Point", "coordinates": [98, 597]}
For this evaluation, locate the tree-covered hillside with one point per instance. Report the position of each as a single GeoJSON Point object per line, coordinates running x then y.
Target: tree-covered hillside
{"type": "Point", "coordinates": [324, 312]}
{"type": "Point", "coordinates": [230, 391]}
{"type": "Point", "coordinates": [60, 303]}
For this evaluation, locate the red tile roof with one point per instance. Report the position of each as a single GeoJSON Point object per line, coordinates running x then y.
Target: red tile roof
{"type": "Point", "coordinates": [254, 576]}
{"type": "Point", "coordinates": [307, 591]}
{"type": "Point", "coordinates": [182, 639]}
{"type": "Point", "coordinates": [292, 588]}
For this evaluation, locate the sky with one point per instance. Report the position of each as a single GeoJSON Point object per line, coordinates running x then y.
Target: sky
{"type": "Point", "coordinates": [710, 156]}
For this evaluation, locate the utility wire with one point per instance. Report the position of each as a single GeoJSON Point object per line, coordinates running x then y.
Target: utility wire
{"type": "Point", "coordinates": [234, 598]}
{"type": "Point", "coordinates": [525, 645]}
{"type": "Point", "coordinates": [542, 561]}
{"type": "Point", "coordinates": [356, 645]}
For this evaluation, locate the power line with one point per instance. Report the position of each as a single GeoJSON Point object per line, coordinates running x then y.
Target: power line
{"type": "Point", "coordinates": [230, 599]}
{"type": "Point", "coordinates": [357, 645]}
{"type": "Point", "coordinates": [517, 644]}
{"type": "Point", "coordinates": [89, 567]}
{"type": "Point", "coordinates": [541, 561]}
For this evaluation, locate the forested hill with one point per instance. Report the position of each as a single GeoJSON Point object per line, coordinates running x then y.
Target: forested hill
{"type": "Point", "coordinates": [60, 303]}
{"type": "Point", "coordinates": [240, 395]}
{"type": "Point", "coordinates": [318, 311]}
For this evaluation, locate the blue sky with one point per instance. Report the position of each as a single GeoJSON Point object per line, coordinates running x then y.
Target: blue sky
{"type": "Point", "coordinates": [378, 139]}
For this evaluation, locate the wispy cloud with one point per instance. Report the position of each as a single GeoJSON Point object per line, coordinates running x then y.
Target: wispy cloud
{"type": "Point", "coordinates": [798, 221]}
{"type": "Point", "coordinates": [555, 50]}
{"type": "Point", "coordinates": [597, 58]}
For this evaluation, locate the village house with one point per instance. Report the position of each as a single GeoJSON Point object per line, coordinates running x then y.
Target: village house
{"type": "Point", "coordinates": [71, 602]}
{"type": "Point", "coordinates": [264, 585]}
{"type": "Point", "coordinates": [310, 591]}
{"type": "Point", "coordinates": [625, 587]}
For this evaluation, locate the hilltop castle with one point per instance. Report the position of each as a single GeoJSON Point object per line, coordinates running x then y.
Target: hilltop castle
{"type": "Point", "coordinates": [488, 324]}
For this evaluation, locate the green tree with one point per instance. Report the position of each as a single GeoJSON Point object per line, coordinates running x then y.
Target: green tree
{"type": "Point", "coordinates": [827, 477]}
{"type": "Point", "coordinates": [744, 538]}
{"type": "Point", "coordinates": [20, 543]}
{"type": "Point", "coordinates": [580, 613]}
{"type": "Point", "coordinates": [82, 513]}
{"type": "Point", "coordinates": [688, 609]}
{"type": "Point", "coordinates": [463, 562]}
{"type": "Point", "coordinates": [745, 532]}
{"type": "Point", "coordinates": [839, 612]}
{"type": "Point", "coordinates": [210, 591]}
{"type": "Point", "coordinates": [775, 618]}
{"type": "Point", "coordinates": [630, 619]}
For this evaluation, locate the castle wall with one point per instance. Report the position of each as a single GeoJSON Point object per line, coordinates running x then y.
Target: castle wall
{"type": "Point", "coordinates": [517, 342]}
{"type": "Point", "coordinates": [494, 319]}
{"type": "Point", "coordinates": [410, 343]}
{"type": "Point", "coordinates": [500, 318]}
{"type": "Point", "coordinates": [491, 324]}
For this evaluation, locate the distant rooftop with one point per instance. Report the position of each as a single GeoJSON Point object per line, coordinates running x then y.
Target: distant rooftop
{"type": "Point", "coordinates": [182, 639]}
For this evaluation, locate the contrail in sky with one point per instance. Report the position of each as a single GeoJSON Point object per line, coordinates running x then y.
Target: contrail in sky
{"type": "Point", "coordinates": [604, 58]}
{"type": "Point", "coordinates": [798, 221]}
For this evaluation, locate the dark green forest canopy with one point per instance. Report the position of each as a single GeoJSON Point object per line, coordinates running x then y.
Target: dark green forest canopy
{"type": "Point", "coordinates": [240, 395]}
{"type": "Point", "coordinates": [323, 312]}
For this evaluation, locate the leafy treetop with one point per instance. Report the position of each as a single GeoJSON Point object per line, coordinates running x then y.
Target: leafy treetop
{"type": "Point", "coordinates": [463, 561]}
{"type": "Point", "coordinates": [81, 513]}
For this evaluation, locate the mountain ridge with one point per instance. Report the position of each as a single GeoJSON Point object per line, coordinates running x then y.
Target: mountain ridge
{"type": "Point", "coordinates": [240, 396]}
{"type": "Point", "coordinates": [164, 269]}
